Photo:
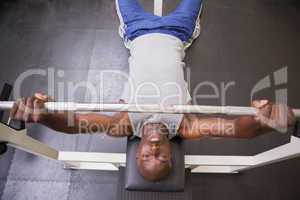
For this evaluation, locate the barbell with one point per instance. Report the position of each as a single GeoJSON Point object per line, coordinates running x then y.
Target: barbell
{"type": "Point", "coordinates": [146, 108]}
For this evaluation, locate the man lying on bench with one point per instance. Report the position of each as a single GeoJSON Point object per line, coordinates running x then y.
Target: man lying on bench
{"type": "Point", "coordinates": [157, 49]}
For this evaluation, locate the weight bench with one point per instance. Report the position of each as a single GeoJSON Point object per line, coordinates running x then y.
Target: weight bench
{"type": "Point", "coordinates": [175, 182]}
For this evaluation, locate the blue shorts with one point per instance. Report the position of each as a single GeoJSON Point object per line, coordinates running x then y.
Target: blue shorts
{"type": "Point", "coordinates": [181, 23]}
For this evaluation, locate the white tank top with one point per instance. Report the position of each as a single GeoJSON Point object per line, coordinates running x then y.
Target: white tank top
{"type": "Point", "coordinates": [156, 76]}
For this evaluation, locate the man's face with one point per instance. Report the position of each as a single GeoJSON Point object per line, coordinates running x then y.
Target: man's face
{"type": "Point", "coordinates": [154, 152]}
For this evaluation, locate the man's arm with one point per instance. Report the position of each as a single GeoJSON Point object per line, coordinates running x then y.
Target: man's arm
{"type": "Point", "coordinates": [82, 123]}
{"type": "Point", "coordinates": [194, 127]}
{"type": "Point", "coordinates": [32, 110]}
{"type": "Point", "coordinates": [270, 117]}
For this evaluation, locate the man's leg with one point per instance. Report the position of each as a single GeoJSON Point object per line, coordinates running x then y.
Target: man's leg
{"type": "Point", "coordinates": [188, 9]}
{"type": "Point", "coordinates": [130, 12]}
{"type": "Point", "coordinates": [187, 17]}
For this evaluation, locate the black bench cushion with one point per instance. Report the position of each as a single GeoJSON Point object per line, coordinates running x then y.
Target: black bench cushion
{"type": "Point", "coordinates": [173, 183]}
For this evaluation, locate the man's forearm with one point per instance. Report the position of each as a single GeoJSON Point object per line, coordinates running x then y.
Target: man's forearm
{"type": "Point", "coordinates": [73, 123]}
{"type": "Point", "coordinates": [241, 127]}
{"type": "Point", "coordinates": [59, 122]}
{"type": "Point", "coordinates": [247, 127]}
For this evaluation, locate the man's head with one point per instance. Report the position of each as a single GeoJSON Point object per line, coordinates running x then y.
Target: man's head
{"type": "Point", "coordinates": [154, 152]}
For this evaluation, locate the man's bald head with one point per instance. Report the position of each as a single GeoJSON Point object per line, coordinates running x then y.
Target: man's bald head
{"type": "Point", "coordinates": [154, 152]}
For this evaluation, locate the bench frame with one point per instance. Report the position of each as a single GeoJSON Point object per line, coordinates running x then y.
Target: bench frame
{"type": "Point", "coordinates": [111, 161]}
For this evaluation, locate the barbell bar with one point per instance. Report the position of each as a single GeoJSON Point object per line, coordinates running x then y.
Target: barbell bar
{"type": "Point", "coordinates": [146, 108]}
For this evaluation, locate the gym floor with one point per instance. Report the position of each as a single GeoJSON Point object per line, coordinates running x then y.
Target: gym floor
{"type": "Point", "coordinates": [241, 43]}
